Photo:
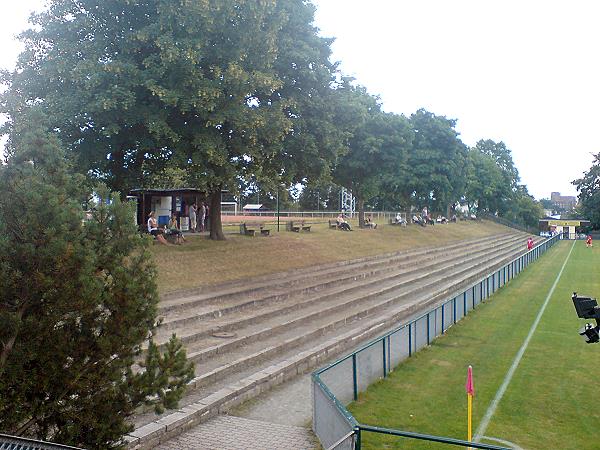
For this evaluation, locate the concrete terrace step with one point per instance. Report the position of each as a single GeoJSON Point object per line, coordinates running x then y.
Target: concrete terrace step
{"type": "Point", "coordinates": [216, 307]}
{"type": "Point", "coordinates": [315, 322]}
{"type": "Point", "coordinates": [193, 330]}
{"type": "Point", "coordinates": [178, 301]}
{"type": "Point", "coordinates": [231, 376]}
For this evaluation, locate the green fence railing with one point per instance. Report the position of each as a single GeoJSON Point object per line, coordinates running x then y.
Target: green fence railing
{"type": "Point", "coordinates": [339, 383]}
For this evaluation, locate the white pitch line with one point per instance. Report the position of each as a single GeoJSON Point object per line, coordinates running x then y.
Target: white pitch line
{"type": "Point", "coordinates": [492, 408]}
{"type": "Point", "coordinates": [502, 442]}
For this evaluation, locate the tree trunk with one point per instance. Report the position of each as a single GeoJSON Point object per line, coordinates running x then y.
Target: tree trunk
{"type": "Point", "coordinates": [361, 212]}
{"type": "Point", "coordinates": [216, 227]}
{"type": "Point", "coordinates": [8, 345]}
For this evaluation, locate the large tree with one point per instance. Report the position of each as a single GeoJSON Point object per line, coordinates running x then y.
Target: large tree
{"type": "Point", "coordinates": [210, 87]}
{"type": "Point", "coordinates": [504, 188]}
{"type": "Point", "coordinates": [77, 302]}
{"type": "Point", "coordinates": [589, 193]}
{"type": "Point", "coordinates": [485, 190]}
{"type": "Point", "coordinates": [377, 149]}
{"type": "Point", "coordinates": [437, 161]}
{"type": "Point", "coordinates": [524, 209]}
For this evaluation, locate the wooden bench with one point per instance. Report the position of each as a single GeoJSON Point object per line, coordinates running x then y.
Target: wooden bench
{"type": "Point", "coordinates": [333, 224]}
{"type": "Point", "coordinates": [296, 228]}
{"type": "Point", "coordinates": [250, 229]}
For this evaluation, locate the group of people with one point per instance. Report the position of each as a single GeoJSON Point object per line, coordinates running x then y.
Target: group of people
{"type": "Point", "coordinates": [198, 215]}
{"type": "Point", "coordinates": [426, 219]}
{"type": "Point", "coordinates": [171, 229]}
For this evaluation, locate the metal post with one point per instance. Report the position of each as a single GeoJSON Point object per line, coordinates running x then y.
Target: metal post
{"type": "Point", "coordinates": [454, 310]}
{"type": "Point", "coordinates": [354, 377]}
{"type": "Point", "coordinates": [278, 208]}
{"type": "Point", "coordinates": [384, 359]}
{"type": "Point", "coordinates": [427, 328]}
{"type": "Point", "coordinates": [410, 339]}
{"type": "Point", "coordinates": [443, 307]}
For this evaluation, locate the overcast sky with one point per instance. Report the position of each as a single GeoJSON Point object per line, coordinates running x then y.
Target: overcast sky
{"type": "Point", "coordinates": [523, 72]}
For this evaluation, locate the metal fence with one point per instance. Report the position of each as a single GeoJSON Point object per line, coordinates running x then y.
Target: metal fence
{"type": "Point", "coordinates": [17, 443]}
{"type": "Point", "coordinates": [329, 214]}
{"type": "Point", "coordinates": [339, 383]}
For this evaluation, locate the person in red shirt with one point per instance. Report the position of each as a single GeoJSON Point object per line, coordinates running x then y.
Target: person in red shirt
{"type": "Point", "coordinates": [529, 243]}
{"type": "Point", "coordinates": [588, 241]}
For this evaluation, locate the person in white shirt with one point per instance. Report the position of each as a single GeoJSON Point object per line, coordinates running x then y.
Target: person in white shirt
{"type": "Point", "coordinates": [192, 214]}
{"type": "Point", "coordinates": [153, 229]}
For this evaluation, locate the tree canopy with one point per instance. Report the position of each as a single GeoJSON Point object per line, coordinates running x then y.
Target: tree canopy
{"type": "Point", "coordinates": [588, 187]}
{"type": "Point", "coordinates": [221, 94]}
{"type": "Point", "coordinates": [437, 161]}
{"type": "Point", "coordinates": [378, 145]}
{"type": "Point", "coordinates": [213, 88]}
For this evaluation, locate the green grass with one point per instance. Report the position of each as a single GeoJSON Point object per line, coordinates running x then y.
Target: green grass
{"type": "Point", "coordinates": [202, 262]}
{"type": "Point", "coordinates": [551, 402]}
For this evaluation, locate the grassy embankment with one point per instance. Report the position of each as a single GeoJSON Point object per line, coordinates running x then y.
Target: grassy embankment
{"type": "Point", "coordinates": [550, 402]}
{"type": "Point", "coordinates": [202, 262]}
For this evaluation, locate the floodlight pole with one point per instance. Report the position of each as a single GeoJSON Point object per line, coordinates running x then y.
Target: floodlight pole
{"type": "Point", "coordinates": [278, 207]}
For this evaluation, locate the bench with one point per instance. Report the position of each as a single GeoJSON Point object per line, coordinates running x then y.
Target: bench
{"type": "Point", "coordinates": [333, 224]}
{"type": "Point", "coordinates": [250, 229]}
{"type": "Point", "coordinates": [291, 226]}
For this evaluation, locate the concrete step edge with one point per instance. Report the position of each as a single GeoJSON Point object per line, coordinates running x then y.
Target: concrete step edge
{"type": "Point", "coordinates": [322, 296]}
{"type": "Point", "coordinates": [267, 281]}
{"type": "Point", "coordinates": [297, 290]}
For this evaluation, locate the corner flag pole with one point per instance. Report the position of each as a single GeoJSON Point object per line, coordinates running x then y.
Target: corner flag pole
{"type": "Point", "coordinates": [470, 392]}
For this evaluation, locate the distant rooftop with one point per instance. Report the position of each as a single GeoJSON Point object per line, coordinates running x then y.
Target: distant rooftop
{"type": "Point", "coordinates": [253, 206]}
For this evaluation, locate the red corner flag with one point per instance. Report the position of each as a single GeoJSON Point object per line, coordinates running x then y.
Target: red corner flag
{"type": "Point", "coordinates": [469, 385]}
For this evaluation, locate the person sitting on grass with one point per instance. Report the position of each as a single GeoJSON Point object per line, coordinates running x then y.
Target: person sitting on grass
{"type": "Point", "coordinates": [369, 222]}
{"type": "Point", "coordinates": [154, 230]}
{"type": "Point", "coordinates": [173, 230]}
{"type": "Point", "coordinates": [342, 223]}
{"type": "Point", "coordinates": [399, 220]}
{"type": "Point", "coordinates": [418, 220]}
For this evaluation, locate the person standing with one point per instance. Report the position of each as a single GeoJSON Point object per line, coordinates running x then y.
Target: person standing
{"type": "Point", "coordinates": [192, 215]}
{"type": "Point", "coordinates": [206, 216]}
{"type": "Point", "coordinates": [529, 243]}
{"type": "Point", "coordinates": [201, 216]}
{"type": "Point", "coordinates": [588, 241]}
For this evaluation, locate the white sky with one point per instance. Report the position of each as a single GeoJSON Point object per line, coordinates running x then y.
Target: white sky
{"type": "Point", "coordinates": [524, 72]}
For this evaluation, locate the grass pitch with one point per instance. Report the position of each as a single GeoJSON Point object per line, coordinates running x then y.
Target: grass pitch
{"type": "Point", "coordinates": [551, 401]}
